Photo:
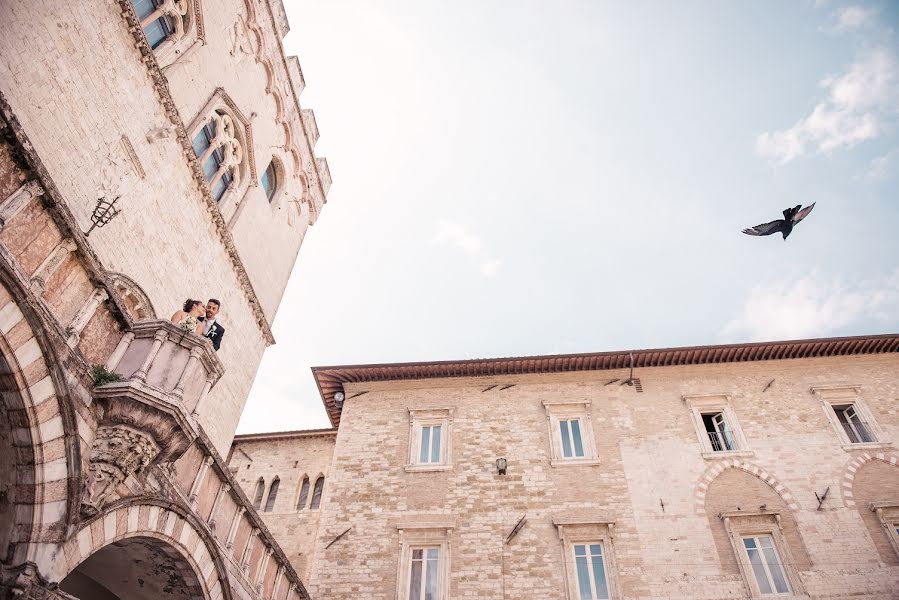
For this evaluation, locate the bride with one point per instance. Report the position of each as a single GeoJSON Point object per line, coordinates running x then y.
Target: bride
{"type": "Point", "coordinates": [186, 318]}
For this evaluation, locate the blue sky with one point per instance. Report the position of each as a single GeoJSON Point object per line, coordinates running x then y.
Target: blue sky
{"type": "Point", "coordinates": [516, 178]}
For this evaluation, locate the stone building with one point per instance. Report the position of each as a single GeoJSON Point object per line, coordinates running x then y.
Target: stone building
{"type": "Point", "coordinates": [739, 471]}
{"type": "Point", "coordinates": [150, 151]}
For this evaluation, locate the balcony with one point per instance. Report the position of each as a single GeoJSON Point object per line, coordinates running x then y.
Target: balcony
{"type": "Point", "coordinates": [146, 417]}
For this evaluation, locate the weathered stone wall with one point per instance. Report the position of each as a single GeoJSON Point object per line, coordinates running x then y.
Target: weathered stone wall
{"type": "Point", "coordinates": [652, 480]}
{"type": "Point", "coordinates": [290, 457]}
{"type": "Point", "coordinates": [75, 78]}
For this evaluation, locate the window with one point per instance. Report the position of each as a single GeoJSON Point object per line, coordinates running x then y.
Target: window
{"type": "Point", "coordinates": [260, 490]}
{"type": "Point", "coordinates": [158, 23]}
{"type": "Point", "coordinates": [888, 514]}
{"type": "Point", "coordinates": [720, 435]}
{"type": "Point", "coordinates": [716, 426]}
{"type": "Point", "coordinates": [219, 152]}
{"type": "Point", "coordinates": [424, 559]}
{"type": "Point", "coordinates": [304, 494]}
{"type": "Point", "coordinates": [429, 444]}
{"type": "Point", "coordinates": [272, 495]}
{"type": "Point", "coordinates": [317, 493]}
{"type": "Point", "coordinates": [849, 416]}
{"type": "Point", "coordinates": [591, 572]}
{"type": "Point", "coordinates": [589, 562]}
{"type": "Point", "coordinates": [766, 565]}
{"type": "Point", "coordinates": [855, 428]}
{"type": "Point", "coordinates": [430, 439]}
{"type": "Point", "coordinates": [764, 558]}
{"type": "Point", "coordinates": [270, 181]}
{"type": "Point", "coordinates": [571, 433]}
{"type": "Point", "coordinates": [424, 574]}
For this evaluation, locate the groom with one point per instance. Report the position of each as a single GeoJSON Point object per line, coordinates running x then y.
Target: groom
{"type": "Point", "coordinates": [211, 328]}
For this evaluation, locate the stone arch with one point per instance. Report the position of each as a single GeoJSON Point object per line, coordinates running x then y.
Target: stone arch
{"type": "Point", "coordinates": [712, 472]}
{"type": "Point", "coordinates": [873, 479]}
{"type": "Point", "coordinates": [753, 497]}
{"type": "Point", "coordinates": [41, 442]}
{"type": "Point", "coordinates": [147, 524]}
{"type": "Point", "coordinates": [852, 468]}
{"type": "Point", "coordinates": [136, 300]}
{"type": "Point", "coordinates": [301, 496]}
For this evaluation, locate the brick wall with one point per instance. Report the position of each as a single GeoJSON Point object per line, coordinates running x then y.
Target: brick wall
{"type": "Point", "coordinates": [652, 480]}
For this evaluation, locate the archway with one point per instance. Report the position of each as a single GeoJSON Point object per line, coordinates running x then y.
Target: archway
{"type": "Point", "coordinates": [136, 568]}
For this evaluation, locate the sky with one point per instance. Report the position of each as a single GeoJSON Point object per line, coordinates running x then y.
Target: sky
{"type": "Point", "coordinates": [519, 177]}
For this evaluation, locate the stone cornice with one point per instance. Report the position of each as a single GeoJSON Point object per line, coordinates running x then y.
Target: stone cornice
{"type": "Point", "coordinates": [162, 90]}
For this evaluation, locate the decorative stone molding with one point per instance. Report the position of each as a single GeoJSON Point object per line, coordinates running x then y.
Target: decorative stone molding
{"type": "Point", "coordinates": [24, 582]}
{"type": "Point", "coordinates": [136, 299]}
{"type": "Point", "coordinates": [47, 268]}
{"type": "Point", "coordinates": [84, 316]}
{"type": "Point", "coordinates": [18, 200]}
{"type": "Point", "coordinates": [712, 472]}
{"type": "Point", "coordinates": [854, 465]}
{"type": "Point", "coordinates": [118, 452]}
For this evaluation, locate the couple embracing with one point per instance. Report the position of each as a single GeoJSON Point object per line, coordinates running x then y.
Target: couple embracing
{"type": "Point", "coordinates": [195, 318]}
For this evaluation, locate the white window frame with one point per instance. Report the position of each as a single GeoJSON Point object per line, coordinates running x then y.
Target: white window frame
{"type": "Point", "coordinates": [888, 514]}
{"type": "Point", "coordinates": [744, 524]}
{"type": "Point", "coordinates": [430, 417]}
{"type": "Point", "coordinates": [575, 530]}
{"type": "Point", "coordinates": [176, 46]}
{"type": "Point", "coordinates": [556, 412]}
{"type": "Point", "coordinates": [769, 577]}
{"type": "Point", "coordinates": [424, 534]}
{"type": "Point", "coordinates": [704, 404]}
{"type": "Point", "coordinates": [831, 396]}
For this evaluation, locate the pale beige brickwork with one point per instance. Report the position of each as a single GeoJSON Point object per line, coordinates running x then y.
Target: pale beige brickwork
{"type": "Point", "coordinates": [290, 457]}
{"type": "Point", "coordinates": [672, 513]}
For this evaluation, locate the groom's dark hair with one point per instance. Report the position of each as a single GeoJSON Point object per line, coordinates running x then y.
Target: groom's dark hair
{"type": "Point", "coordinates": [216, 302]}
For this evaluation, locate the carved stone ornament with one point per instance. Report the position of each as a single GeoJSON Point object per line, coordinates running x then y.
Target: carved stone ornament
{"type": "Point", "coordinates": [118, 451]}
{"type": "Point", "coordinates": [24, 582]}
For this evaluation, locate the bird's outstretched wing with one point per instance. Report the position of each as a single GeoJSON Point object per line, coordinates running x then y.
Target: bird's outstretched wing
{"type": "Point", "coordinates": [803, 213]}
{"type": "Point", "coordinates": [765, 228]}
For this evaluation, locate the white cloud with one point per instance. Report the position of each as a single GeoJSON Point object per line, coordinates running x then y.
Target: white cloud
{"type": "Point", "coordinates": [490, 267]}
{"type": "Point", "coordinates": [853, 17]}
{"type": "Point", "coordinates": [456, 234]}
{"type": "Point", "coordinates": [856, 105]}
{"type": "Point", "coordinates": [881, 167]}
{"type": "Point", "coordinates": [813, 306]}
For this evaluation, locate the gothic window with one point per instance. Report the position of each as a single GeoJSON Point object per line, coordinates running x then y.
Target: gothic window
{"type": "Point", "coordinates": [260, 489]}
{"type": "Point", "coordinates": [170, 26]}
{"type": "Point", "coordinates": [317, 493]}
{"type": "Point", "coordinates": [304, 494]}
{"type": "Point", "coordinates": [272, 495]}
{"type": "Point", "coordinates": [270, 181]}
{"type": "Point", "coordinates": [223, 143]}
{"type": "Point", "coordinates": [220, 153]}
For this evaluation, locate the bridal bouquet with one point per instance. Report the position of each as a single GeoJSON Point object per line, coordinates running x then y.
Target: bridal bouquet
{"type": "Point", "coordinates": [189, 324]}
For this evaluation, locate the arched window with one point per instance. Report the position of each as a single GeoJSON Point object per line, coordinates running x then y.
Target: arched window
{"type": "Point", "coordinates": [317, 493]}
{"type": "Point", "coordinates": [304, 494]}
{"type": "Point", "coordinates": [270, 181]}
{"type": "Point", "coordinates": [162, 19]}
{"type": "Point", "coordinates": [220, 152]}
{"type": "Point", "coordinates": [260, 489]}
{"type": "Point", "coordinates": [272, 495]}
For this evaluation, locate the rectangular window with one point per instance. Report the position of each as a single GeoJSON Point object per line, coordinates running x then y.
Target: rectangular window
{"type": "Point", "coordinates": [766, 565]}
{"type": "Point", "coordinates": [429, 449]}
{"type": "Point", "coordinates": [720, 435]}
{"type": "Point", "coordinates": [572, 445]}
{"type": "Point", "coordinates": [591, 572]}
{"type": "Point", "coordinates": [856, 429]}
{"type": "Point", "coordinates": [424, 574]}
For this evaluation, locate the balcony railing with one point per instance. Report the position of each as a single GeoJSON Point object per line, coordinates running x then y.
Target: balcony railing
{"type": "Point", "coordinates": [858, 432]}
{"type": "Point", "coordinates": [722, 442]}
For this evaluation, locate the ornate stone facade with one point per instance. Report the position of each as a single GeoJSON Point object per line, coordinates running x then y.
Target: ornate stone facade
{"type": "Point", "coordinates": [111, 479]}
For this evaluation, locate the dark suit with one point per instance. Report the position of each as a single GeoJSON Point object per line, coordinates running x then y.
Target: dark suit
{"type": "Point", "coordinates": [216, 333]}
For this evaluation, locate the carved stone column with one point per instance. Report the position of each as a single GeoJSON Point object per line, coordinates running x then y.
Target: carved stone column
{"type": "Point", "coordinates": [113, 361]}
{"type": "Point", "coordinates": [118, 451]}
{"type": "Point", "coordinates": [245, 559]}
{"type": "Point", "coordinates": [84, 316]}
{"type": "Point", "coordinates": [235, 522]}
{"type": "Point", "coordinates": [18, 200]}
{"type": "Point", "coordinates": [198, 482]}
{"type": "Point", "coordinates": [223, 489]}
{"type": "Point", "coordinates": [47, 268]}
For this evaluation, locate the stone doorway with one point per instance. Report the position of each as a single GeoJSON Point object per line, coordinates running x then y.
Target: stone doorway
{"type": "Point", "coordinates": [137, 568]}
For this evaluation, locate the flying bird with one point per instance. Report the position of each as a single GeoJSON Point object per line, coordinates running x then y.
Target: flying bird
{"type": "Point", "coordinates": [785, 226]}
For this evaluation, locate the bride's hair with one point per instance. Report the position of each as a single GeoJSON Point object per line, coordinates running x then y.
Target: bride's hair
{"type": "Point", "coordinates": [189, 304]}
